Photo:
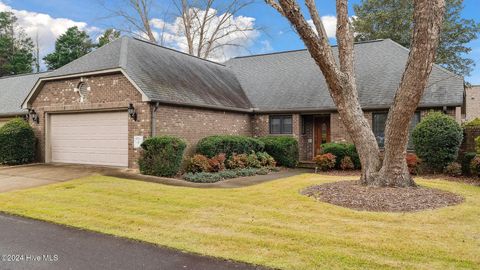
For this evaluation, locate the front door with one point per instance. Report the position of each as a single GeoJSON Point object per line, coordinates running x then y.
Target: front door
{"type": "Point", "coordinates": [322, 132]}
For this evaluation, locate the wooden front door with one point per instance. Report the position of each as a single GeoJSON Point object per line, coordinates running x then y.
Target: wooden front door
{"type": "Point", "coordinates": [322, 132]}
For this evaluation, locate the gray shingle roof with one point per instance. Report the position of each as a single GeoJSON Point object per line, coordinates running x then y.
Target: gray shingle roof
{"type": "Point", "coordinates": [164, 74]}
{"type": "Point", "coordinates": [14, 90]}
{"type": "Point", "coordinates": [292, 80]}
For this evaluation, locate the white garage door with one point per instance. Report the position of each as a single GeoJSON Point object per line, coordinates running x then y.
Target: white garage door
{"type": "Point", "coordinates": [90, 138]}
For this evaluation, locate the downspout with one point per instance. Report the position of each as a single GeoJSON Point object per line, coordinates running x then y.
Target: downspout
{"type": "Point", "coordinates": [153, 128]}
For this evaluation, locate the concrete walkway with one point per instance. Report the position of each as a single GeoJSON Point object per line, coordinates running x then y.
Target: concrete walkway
{"type": "Point", "coordinates": [41, 245]}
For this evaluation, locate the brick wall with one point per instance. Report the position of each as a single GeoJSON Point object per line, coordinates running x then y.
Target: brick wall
{"type": "Point", "coordinates": [107, 92]}
{"type": "Point", "coordinates": [472, 102]}
{"type": "Point", "coordinates": [193, 124]}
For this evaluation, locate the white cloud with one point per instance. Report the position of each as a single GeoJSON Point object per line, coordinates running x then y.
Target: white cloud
{"type": "Point", "coordinates": [46, 27]}
{"type": "Point", "coordinates": [330, 24]}
{"type": "Point", "coordinates": [173, 34]}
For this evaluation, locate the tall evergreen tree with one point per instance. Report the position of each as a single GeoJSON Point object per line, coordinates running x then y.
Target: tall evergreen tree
{"type": "Point", "coordinates": [108, 36]}
{"type": "Point", "coordinates": [71, 45]}
{"type": "Point", "coordinates": [380, 19]}
{"type": "Point", "coordinates": [16, 49]}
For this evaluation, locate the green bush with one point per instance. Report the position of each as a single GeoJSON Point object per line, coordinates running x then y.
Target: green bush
{"type": "Point", "coordinates": [341, 150]}
{"type": "Point", "coordinates": [283, 149]}
{"type": "Point", "coordinates": [437, 139]}
{"type": "Point", "coordinates": [266, 160]}
{"type": "Point", "coordinates": [466, 160]}
{"type": "Point", "coordinates": [17, 143]}
{"type": "Point", "coordinates": [162, 156]}
{"type": "Point", "coordinates": [228, 145]}
{"type": "Point", "coordinates": [253, 161]}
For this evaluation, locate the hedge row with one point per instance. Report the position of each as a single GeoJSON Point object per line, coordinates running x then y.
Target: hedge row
{"type": "Point", "coordinates": [342, 150]}
{"type": "Point", "coordinates": [228, 145]}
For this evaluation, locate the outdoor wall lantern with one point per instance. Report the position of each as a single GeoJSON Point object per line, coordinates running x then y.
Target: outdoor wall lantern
{"type": "Point", "coordinates": [34, 116]}
{"type": "Point", "coordinates": [132, 112]}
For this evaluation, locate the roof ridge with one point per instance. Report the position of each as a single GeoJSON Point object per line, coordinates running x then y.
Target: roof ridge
{"type": "Point", "coordinates": [25, 74]}
{"type": "Point", "coordinates": [177, 51]}
{"type": "Point", "coordinates": [123, 53]}
{"type": "Point", "coordinates": [299, 50]}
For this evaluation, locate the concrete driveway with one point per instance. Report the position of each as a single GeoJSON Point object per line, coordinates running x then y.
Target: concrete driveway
{"type": "Point", "coordinates": [21, 177]}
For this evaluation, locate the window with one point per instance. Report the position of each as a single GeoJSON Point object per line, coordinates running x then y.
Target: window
{"type": "Point", "coordinates": [379, 122]}
{"type": "Point", "coordinates": [280, 124]}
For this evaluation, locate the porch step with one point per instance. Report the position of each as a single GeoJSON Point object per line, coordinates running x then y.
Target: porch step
{"type": "Point", "coordinates": [307, 164]}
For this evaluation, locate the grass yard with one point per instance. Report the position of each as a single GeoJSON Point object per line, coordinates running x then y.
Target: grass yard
{"type": "Point", "coordinates": [269, 224]}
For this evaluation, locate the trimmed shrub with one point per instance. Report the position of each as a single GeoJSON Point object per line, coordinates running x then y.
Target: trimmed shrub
{"type": "Point", "coordinates": [17, 143]}
{"type": "Point", "coordinates": [283, 149]}
{"type": "Point", "coordinates": [325, 162]}
{"type": "Point", "coordinates": [466, 160]}
{"type": "Point", "coordinates": [237, 161]}
{"type": "Point", "coordinates": [437, 139]}
{"type": "Point", "coordinates": [162, 156]}
{"type": "Point", "coordinates": [198, 163]}
{"type": "Point", "coordinates": [228, 145]}
{"type": "Point", "coordinates": [203, 177]}
{"type": "Point", "coordinates": [475, 165]}
{"type": "Point", "coordinates": [341, 150]}
{"type": "Point", "coordinates": [453, 169]}
{"type": "Point", "coordinates": [228, 174]}
{"type": "Point", "coordinates": [266, 160]}
{"type": "Point", "coordinates": [217, 163]}
{"type": "Point", "coordinates": [412, 163]}
{"type": "Point", "coordinates": [247, 172]}
{"type": "Point", "coordinates": [347, 163]}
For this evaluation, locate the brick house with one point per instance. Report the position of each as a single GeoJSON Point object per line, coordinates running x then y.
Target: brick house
{"type": "Point", "coordinates": [99, 108]}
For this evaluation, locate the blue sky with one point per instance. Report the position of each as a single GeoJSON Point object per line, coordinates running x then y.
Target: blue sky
{"type": "Point", "coordinates": [276, 36]}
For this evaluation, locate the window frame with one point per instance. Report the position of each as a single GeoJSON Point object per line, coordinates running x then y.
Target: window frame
{"type": "Point", "coordinates": [282, 124]}
{"type": "Point", "coordinates": [386, 113]}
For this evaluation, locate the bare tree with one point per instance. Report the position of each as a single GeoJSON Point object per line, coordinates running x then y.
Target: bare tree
{"type": "Point", "coordinates": [209, 25]}
{"type": "Point", "coordinates": [136, 14]}
{"type": "Point", "coordinates": [340, 78]}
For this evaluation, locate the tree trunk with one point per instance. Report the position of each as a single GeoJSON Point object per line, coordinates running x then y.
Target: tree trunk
{"type": "Point", "coordinates": [428, 18]}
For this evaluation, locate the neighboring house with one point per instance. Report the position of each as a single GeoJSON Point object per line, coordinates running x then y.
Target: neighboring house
{"type": "Point", "coordinates": [13, 90]}
{"type": "Point", "coordinates": [84, 117]}
{"type": "Point", "coordinates": [472, 102]}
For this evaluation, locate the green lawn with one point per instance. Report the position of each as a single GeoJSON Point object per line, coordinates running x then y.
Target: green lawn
{"type": "Point", "coordinates": [269, 224]}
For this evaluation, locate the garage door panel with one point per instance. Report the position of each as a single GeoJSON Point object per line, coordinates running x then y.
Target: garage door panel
{"type": "Point", "coordinates": [90, 138]}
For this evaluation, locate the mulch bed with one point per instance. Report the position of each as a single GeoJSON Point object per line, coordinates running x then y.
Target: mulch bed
{"type": "Point", "coordinates": [382, 199]}
{"type": "Point", "coordinates": [471, 180]}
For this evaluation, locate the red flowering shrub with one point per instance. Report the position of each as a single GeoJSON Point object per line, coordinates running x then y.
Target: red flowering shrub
{"type": "Point", "coordinates": [237, 161]}
{"type": "Point", "coordinates": [198, 163]}
{"type": "Point", "coordinates": [412, 162]}
{"type": "Point", "coordinates": [217, 163]}
{"type": "Point", "coordinates": [325, 162]}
